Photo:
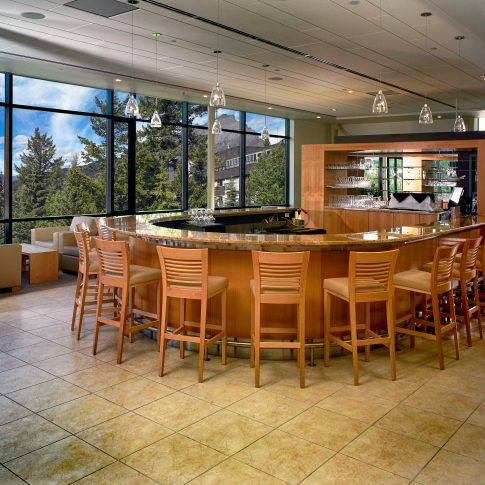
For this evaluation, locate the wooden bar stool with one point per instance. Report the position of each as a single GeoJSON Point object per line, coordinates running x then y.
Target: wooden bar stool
{"type": "Point", "coordinates": [370, 280]}
{"type": "Point", "coordinates": [185, 275]}
{"type": "Point", "coordinates": [116, 272]}
{"type": "Point", "coordinates": [279, 279]}
{"type": "Point", "coordinates": [434, 286]}
{"type": "Point", "coordinates": [103, 231]}
{"type": "Point", "coordinates": [86, 294]}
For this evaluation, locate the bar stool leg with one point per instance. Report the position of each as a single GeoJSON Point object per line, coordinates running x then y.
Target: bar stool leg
{"type": "Point", "coordinates": [355, 350]}
{"type": "Point", "coordinates": [224, 326]}
{"type": "Point", "coordinates": [412, 326]}
{"type": "Point", "coordinates": [131, 335]}
{"type": "Point", "coordinates": [159, 313]}
{"type": "Point", "coordinates": [98, 314]}
{"type": "Point", "coordinates": [257, 336]}
{"type": "Point", "coordinates": [251, 359]}
{"type": "Point", "coordinates": [326, 328]}
{"type": "Point", "coordinates": [203, 317]}
{"type": "Point", "coordinates": [76, 296]}
{"type": "Point", "coordinates": [392, 336]}
{"type": "Point", "coordinates": [301, 341]}
{"type": "Point", "coordinates": [476, 303]}
{"type": "Point", "coordinates": [182, 324]}
{"type": "Point", "coordinates": [367, 331]}
{"type": "Point", "coordinates": [163, 330]}
{"type": "Point", "coordinates": [84, 291]}
{"type": "Point", "coordinates": [453, 319]}
{"type": "Point", "coordinates": [122, 328]}
{"type": "Point", "coordinates": [437, 328]}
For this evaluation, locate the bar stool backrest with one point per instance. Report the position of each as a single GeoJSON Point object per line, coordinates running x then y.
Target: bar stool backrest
{"type": "Point", "coordinates": [103, 231]}
{"type": "Point", "coordinates": [471, 248]}
{"type": "Point", "coordinates": [280, 277]}
{"type": "Point", "coordinates": [184, 272]}
{"type": "Point", "coordinates": [442, 272]}
{"type": "Point", "coordinates": [371, 275]}
{"type": "Point", "coordinates": [114, 263]}
{"type": "Point", "coordinates": [83, 246]}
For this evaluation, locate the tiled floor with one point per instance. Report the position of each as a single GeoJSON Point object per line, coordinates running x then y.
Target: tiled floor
{"type": "Point", "coordinates": [66, 416]}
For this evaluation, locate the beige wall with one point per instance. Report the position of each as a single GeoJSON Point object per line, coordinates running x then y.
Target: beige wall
{"type": "Point", "coordinates": [304, 132]}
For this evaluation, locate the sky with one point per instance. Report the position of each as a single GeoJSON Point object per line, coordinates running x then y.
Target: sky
{"type": "Point", "coordinates": [64, 128]}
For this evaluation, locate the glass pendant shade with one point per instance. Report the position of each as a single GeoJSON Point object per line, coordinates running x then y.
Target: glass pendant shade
{"type": "Point", "coordinates": [380, 103]}
{"type": "Point", "coordinates": [265, 134]}
{"type": "Point", "coordinates": [426, 116]}
{"type": "Point", "coordinates": [218, 97]}
{"type": "Point", "coordinates": [459, 126]}
{"type": "Point", "coordinates": [132, 107]}
{"type": "Point", "coordinates": [216, 128]}
{"type": "Point", "coordinates": [156, 122]}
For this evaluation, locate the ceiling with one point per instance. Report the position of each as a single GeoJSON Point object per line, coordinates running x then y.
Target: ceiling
{"type": "Point", "coordinates": [386, 42]}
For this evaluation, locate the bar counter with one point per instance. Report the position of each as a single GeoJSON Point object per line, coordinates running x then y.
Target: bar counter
{"type": "Point", "coordinates": [230, 256]}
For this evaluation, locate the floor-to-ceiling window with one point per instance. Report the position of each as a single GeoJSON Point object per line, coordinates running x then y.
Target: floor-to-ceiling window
{"type": "Point", "coordinates": [67, 150]}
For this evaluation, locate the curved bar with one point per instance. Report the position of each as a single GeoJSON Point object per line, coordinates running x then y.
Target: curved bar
{"type": "Point", "coordinates": [230, 256]}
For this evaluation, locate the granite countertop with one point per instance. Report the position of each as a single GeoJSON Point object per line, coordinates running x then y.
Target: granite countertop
{"type": "Point", "coordinates": [141, 226]}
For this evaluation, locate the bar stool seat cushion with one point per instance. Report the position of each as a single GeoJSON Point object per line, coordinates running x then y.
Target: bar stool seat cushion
{"type": "Point", "coordinates": [142, 274]}
{"type": "Point", "coordinates": [274, 289]}
{"type": "Point", "coordinates": [456, 270]}
{"type": "Point", "coordinates": [340, 286]}
{"type": "Point", "coordinates": [214, 284]}
{"type": "Point", "coordinates": [93, 266]}
{"type": "Point", "coordinates": [478, 263]}
{"type": "Point", "coordinates": [414, 278]}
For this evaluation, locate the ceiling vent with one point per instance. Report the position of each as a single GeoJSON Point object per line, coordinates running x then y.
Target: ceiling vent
{"type": "Point", "coordinates": [105, 8]}
{"type": "Point", "coordinates": [386, 92]}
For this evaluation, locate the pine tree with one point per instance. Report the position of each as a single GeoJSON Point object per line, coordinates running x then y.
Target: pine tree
{"type": "Point", "coordinates": [231, 194]}
{"type": "Point", "coordinates": [266, 180]}
{"type": "Point", "coordinates": [39, 175]}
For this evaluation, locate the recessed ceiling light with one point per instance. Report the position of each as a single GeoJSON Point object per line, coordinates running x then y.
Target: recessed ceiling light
{"type": "Point", "coordinates": [156, 34]}
{"type": "Point", "coordinates": [118, 80]}
{"type": "Point", "coordinates": [205, 96]}
{"type": "Point", "coordinates": [318, 117]}
{"type": "Point", "coordinates": [349, 91]}
{"type": "Point", "coordinates": [333, 109]}
{"type": "Point", "coordinates": [33, 15]}
{"type": "Point", "coordinates": [269, 107]}
{"type": "Point", "coordinates": [439, 117]}
{"type": "Point", "coordinates": [354, 2]}
{"type": "Point", "coordinates": [275, 78]}
{"type": "Point", "coordinates": [482, 77]}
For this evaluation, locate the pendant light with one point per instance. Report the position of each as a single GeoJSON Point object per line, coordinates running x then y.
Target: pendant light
{"type": "Point", "coordinates": [156, 122]}
{"type": "Point", "coordinates": [131, 108]}
{"type": "Point", "coordinates": [265, 131]}
{"type": "Point", "coordinates": [380, 103]}
{"type": "Point", "coordinates": [459, 125]}
{"type": "Point", "coordinates": [217, 96]}
{"type": "Point", "coordinates": [426, 116]}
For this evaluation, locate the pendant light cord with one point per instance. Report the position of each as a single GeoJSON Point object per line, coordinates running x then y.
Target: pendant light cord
{"type": "Point", "coordinates": [156, 68]}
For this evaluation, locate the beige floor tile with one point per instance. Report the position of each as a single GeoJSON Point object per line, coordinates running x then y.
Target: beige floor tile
{"type": "Point", "coordinates": [99, 377]}
{"type": "Point", "coordinates": [35, 323]}
{"type": "Point", "coordinates": [8, 362]}
{"type": "Point", "coordinates": [325, 428]}
{"type": "Point", "coordinates": [61, 463]}
{"type": "Point", "coordinates": [177, 410]}
{"type": "Point", "coordinates": [18, 340]}
{"type": "Point", "coordinates": [8, 478]}
{"type": "Point", "coordinates": [469, 440]}
{"type": "Point", "coordinates": [386, 388]}
{"type": "Point", "coordinates": [452, 469]}
{"type": "Point", "coordinates": [82, 413]}
{"type": "Point", "coordinates": [419, 424]}
{"type": "Point", "coordinates": [180, 378]}
{"type": "Point", "coordinates": [47, 394]}
{"type": "Point", "coordinates": [284, 456]}
{"type": "Point", "coordinates": [342, 470]}
{"type": "Point", "coordinates": [461, 383]}
{"type": "Point", "coordinates": [311, 394]}
{"type": "Point", "coordinates": [10, 411]}
{"type": "Point", "coordinates": [17, 314]}
{"type": "Point", "coordinates": [41, 351]}
{"type": "Point", "coordinates": [351, 402]}
{"type": "Point", "coordinates": [269, 408]}
{"type": "Point", "coordinates": [72, 343]}
{"type": "Point", "coordinates": [444, 402]}
{"type": "Point", "coordinates": [478, 416]}
{"type": "Point", "coordinates": [135, 393]}
{"type": "Point", "coordinates": [21, 377]}
{"type": "Point", "coordinates": [67, 363]}
{"type": "Point", "coordinates": [141, 361]}
{"type": "Point", "coordinates": [390, 451]}
{"type": "Point", "coordinates": [174, 460]}
{"type": "Point", "coordinates": [116, 474]}
{"type": "Point", "coordinates": [54, 331]}
{"type": "Point", "coordinates": [233, 472]}
{"type": "Point", "coordinates": [226, 431]}
{"type": "Point", "coordinates": [7, 329]}
{"type": "Point", "coordinates": [26, 435]}
{"type": "Point", "coordinates": [124, 435]}
{"type": "Point", "coordinates": [220, 391]}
